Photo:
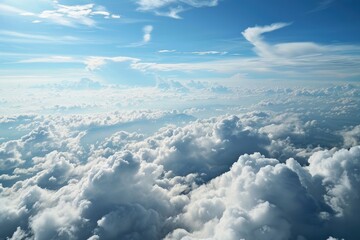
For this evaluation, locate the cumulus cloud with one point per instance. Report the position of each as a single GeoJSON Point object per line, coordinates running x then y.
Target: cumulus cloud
{"type": "Point", "coordinates": [156, 174]}
{"type": "Point", "coordinates": [260, 198]}
{"type": "Point", "coordinates": [351, 136]}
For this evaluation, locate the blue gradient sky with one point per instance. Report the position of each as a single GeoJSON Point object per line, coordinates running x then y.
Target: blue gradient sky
{"type": "Point", "coordinates": [138, 42]}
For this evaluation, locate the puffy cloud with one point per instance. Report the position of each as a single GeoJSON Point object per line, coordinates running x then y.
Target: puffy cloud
{"type": "Point", "coordinates": [147, 33]}
{"type": "Point", "coordinates": [94, 177]}
{"type": "Point", "coordinates": [351, 136]}
{"type": "Point", "coordinates": [260, 198]}
{"type": "Point", "coordinates": [206, 147]}
{"type": "Point", "coordinates": [9, 155]}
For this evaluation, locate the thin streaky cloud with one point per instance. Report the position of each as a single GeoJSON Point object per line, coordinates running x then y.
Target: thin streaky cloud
{"type": "Point", "coordinates": [51, 59]}
{"type": "Point", "coordinates": [324, 4]}
{"type": "Point", "coordinates": [7, 9]}
{"type": "Point", "coordinates": [37, 38]}
{"type": "Point", "coordinates": [166, 51]}
{"type": "Point", "coordinates": [91, 62]}
{"type": "Point", "coordinates": [209, 53]}
{"type": "Point", "coordinates": [171, 13]}
{"type": "Point", "coordinates": [65, 15]}
{"type": "Point", "coordinates": [172, 8]}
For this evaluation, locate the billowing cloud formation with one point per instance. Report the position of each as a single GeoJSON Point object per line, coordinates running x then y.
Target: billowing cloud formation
{"type": "Point", "coordinates": [166, 174]}
{"type": "Point", "coordinates": [251, 176]}
{"type": "Point", "coordinates": [260, 198]}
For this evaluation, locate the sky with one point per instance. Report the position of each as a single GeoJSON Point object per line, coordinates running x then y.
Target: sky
{"type": "Point", "coordinates": [179, 119]}
{"type": "Point", "coordinates": [137, 42]}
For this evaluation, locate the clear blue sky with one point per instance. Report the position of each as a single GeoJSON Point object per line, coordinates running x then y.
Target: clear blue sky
{"type": "Point", "coordinates": [136, 42]}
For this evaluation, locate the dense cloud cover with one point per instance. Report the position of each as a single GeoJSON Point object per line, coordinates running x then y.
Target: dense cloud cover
{"type": "Point", "coordinates": [261, 174]}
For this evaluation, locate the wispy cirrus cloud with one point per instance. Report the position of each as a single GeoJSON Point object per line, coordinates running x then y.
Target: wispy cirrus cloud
{"type": "Point", "coordinates": [294, 49]}
{"type": "Point", "coordinates": [91, 62]}
{"type": "Point", "coordinates": [65, 15]}
{"type": "Point", "coordinates": [8, 9]}
{"type": "Point", "coordinates": [209, 53]}
{"type": "Point", "coordinates": [14, 36]}
{"type": "Point", "coordinates": [292, 59]}
{"type": "Point", "coordinates": [52, 59]}
{"type": "Point", "coordinates": [166, 51]}
{"type": "Point", "coordinates": [172, 8]}
{"type": "Point", "coordinates": [324, 4]}
{"type": "Point", "coordinates": [172, 12]}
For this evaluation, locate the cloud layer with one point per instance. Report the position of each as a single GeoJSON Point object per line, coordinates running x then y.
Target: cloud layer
{"type": "Point", "coordinates": [253, 175]}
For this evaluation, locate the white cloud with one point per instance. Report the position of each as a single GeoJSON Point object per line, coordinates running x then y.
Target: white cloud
{"type": "Point", "coordinates": [147, 33]}
{"type": "Point", "coordinates": [209, 53]}
{"type": "Point", "coordinates": [36, 38]}
{"type": "Point", "coordinates": [260, 198]}
{"type": "Point", "coordinates": [254, 36]}
{"type": "Point", "coordinates": [8, 9]}
{"type": "Point", "coordinates": [66, 15]}
{"type": "Point", "coordinates": [171, 8]}
{"type": "Point", "coordinates": [351, 136]}
{"type": "Point", "coordinates": [93, 63]}
{"type": "Point", "coordinates": [51, 59]}
{"type": "Point", "coordinates": [153, 4]}
{"type": "Point", "coordinates": [299, 60]}
{"type": "Point", "coordinates": [166, 51]}
{"type": "Point", "coordinates": [322, 5]}
{"type": "Point", "coordinates": [85, 177]}
{"type": "Point", "coordinates": [116, 16]}
{"type": "Point", "coordinates": [173, 12]}
{"type": "Point", "coordinates": [285, 50]}
{"type": "Point", "coordinates": [294, 59]}
{"type": "Point", "coordinates": [71, 15]}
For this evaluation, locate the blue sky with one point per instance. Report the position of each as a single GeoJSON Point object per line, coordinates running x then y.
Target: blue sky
{"type": "Point", "coordinates": [138, 42]}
